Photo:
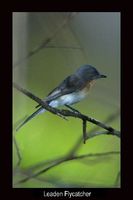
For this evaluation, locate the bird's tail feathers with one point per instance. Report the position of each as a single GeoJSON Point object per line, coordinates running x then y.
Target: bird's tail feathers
{"type": "Point", "coordinates": [38, 111]}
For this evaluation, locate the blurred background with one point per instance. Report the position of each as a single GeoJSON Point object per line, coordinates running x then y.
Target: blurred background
{"type": "Point", "coordinates": [47, 47]}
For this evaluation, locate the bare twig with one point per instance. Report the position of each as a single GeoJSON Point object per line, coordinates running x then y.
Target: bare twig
{"type": "Point", "coordinates": [93, 131]}
{"type": "Point", "coordinates": [91, 135]}
{"type": "Point", "coordinates": [18, 153]}
{"type": "Point", "coordinates": [15, 125]}
{"type": "Point", "coordinates": [63, 47]}
{"type": "Point", "coordinates": [67, 113]}
{"type": "Point", "coordinates": [84, 130]}
{"type": "Point", "coordinates": [65, 160]}
{"type": "Point", "coordinates": [47, 40]}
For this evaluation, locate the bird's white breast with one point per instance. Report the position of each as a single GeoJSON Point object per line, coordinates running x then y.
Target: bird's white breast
{"type": "Point", "coordinates": [68, 99]}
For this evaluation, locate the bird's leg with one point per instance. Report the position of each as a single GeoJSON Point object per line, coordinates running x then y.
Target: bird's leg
{"type": "Point", "coordinates": [71, 108]}
{"type": "Point", "coordinates": [62, 116]}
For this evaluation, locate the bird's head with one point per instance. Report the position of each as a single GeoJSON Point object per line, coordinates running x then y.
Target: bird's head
{"type": "Point", "coordinates": [88, 72]}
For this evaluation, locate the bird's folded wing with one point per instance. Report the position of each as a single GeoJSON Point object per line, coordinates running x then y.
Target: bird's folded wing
{"type": "Point", "coordinates": [70, 84]}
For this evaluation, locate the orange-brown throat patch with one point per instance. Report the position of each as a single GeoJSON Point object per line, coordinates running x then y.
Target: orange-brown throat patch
{"type": "Point", "coordinates": [89, 85]}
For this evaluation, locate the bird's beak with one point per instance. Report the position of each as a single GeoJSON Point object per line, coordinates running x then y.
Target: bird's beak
{"type": "Point", "coordinates": [103, 76]}
{"type": "Point", "coordinates": [100, 76]}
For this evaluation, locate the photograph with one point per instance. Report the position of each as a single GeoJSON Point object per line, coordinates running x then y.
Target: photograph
{"type": "Point", "coordinates": [66, 106]}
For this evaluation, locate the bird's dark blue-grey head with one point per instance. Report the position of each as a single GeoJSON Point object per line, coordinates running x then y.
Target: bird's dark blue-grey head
{"type": "Point", "coordinates": [88, 72]}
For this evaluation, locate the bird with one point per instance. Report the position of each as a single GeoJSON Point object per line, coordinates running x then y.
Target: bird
{"type": "Point", "coordinates": [71, 90]}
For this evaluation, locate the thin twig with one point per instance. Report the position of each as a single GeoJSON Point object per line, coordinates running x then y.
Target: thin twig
{"type": "Point", "coordinates": [65, 160]}
{"type": "Point", "coordinates": [46, 41]}
{"type": "Point", "coordinates": [67, 113]}
{"type": "Point", "coordinates": [93, 131]}
{"type": "Point", "coordinates": [15, 125]}
{"type": "Point", "coordinates": [18, 153]}
{"type": "Point", "coordinates": [63, 47]}
{"type": "Point", "coordinates": [84, 130]}
{"type": "Point", "coordinates": [91, 135]}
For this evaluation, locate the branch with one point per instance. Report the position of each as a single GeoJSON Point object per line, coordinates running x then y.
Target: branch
{"type": "Point", "coordinates": [45, 42]}
{"type": "Point", "coordinates": [18, 153]}
{"type": "Point", "coordinates": [99, 133]}
{"type": "Point", "coordinates": [67, 113]}
{"type": "Point", "coordinates": [92, 132]}
{"type": "Point", "coordinates": [65, 160]}
{"type": "Point", "coordinates": [84, 130]}
{"type": "Point", "coordinates": [63, 47]}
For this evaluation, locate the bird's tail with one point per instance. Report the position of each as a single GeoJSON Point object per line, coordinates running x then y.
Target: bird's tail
{"type": "Point", "coordinates": [38, 111]}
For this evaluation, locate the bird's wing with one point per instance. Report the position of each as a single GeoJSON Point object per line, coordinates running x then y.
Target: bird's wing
{"type": "Point", "coordinates": [70, 84]}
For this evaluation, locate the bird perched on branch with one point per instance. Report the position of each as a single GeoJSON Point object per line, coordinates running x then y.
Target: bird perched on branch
{"type": "Point", "coordinates": [71, 90]}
